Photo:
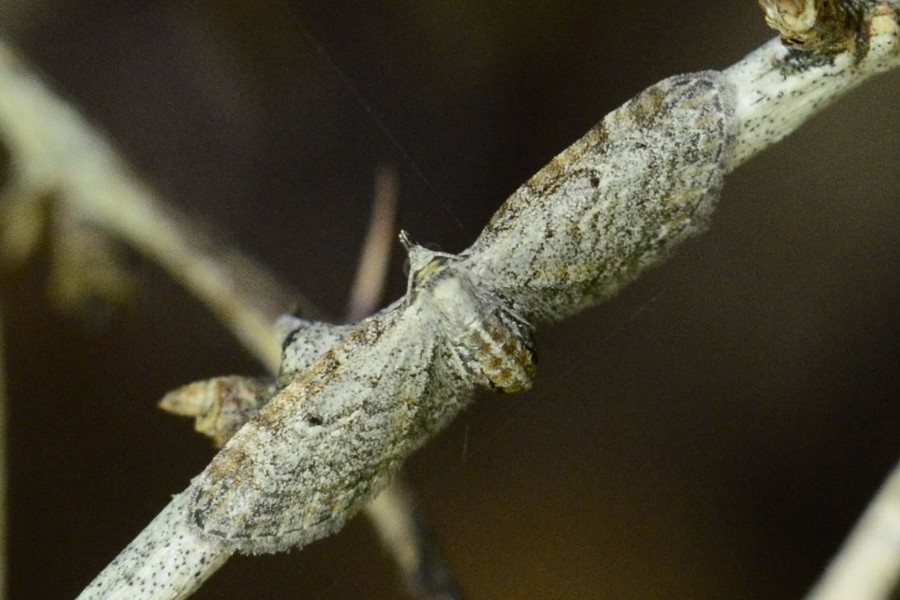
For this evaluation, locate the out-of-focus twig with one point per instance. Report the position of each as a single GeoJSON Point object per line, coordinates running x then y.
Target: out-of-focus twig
{"type": "Point", "coordinates": [867, 567]}
{"type": "Point", "coordinates": [368, 285]}
{"type": "Point", "coordinates": [402, 527]}
{"type": "Point", "coordinates": [847, 38]}
{"type": "Point", "coordinates": [60, 165]}
{"type": "Point", "coordinates": [4, 469]}
{"type": "Point", "coordinates": [221, 405]}
{"type": "Point", "coordinates": [404, 530]}
{"type": "Point", "coordinates": [55, 153]}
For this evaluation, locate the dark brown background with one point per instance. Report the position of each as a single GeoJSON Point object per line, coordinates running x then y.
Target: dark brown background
{"type": "Point", "coordinates": [712, 432]}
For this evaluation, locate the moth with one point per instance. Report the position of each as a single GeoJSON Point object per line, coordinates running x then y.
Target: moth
{"type": "Point", "coordinates": [338, 430]}
{"type": "Point", "coordinates": [354, 401]}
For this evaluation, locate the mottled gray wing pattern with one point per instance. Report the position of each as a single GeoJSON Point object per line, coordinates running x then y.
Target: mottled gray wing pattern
{"type": "Point", "coordinates": [303, 342]}
{"type": "Point", "coordinates": [614, 202]}
{"type": "Point", "coordinates": [355, 402]}
{"type": "Point", "coordinates": [325, 444]}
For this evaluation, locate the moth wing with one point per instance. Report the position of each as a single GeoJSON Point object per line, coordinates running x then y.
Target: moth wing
{"type": "Point", "coordinates": [303, 342]}
{"type": "Point", "coordinates": [328, 442]}
{"type": "Point", "coordinates": [616, 201]}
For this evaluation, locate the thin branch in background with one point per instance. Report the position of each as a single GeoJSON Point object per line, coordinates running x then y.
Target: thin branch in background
{"type": "Point", "coordinates": [4, 465]}
{"type": "Point", "coordinates": [404, 529]}
{"type": "Point", "coordinates": [40, 129]}
{"type": "Point", "coordinates": [867, 567]}
{"type": "Point", "coordinates": [775, 92]}
{"type": "Point", "coordinates": [371, 274]}
{"type": "Point", "coordinates": [92, 199]}
{"type": "Point", "coordinates": [401, 526]}
{"type": "Point", "coordinates": [87, 275]}
{"type": "Point", "coordinates": [56, 153]}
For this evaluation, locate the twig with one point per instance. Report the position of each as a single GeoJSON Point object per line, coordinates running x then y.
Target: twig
{"type": "Point", "coordinates": [93, 187]}
{"type": "Point", "coordinates": [55, 152]}
{"type": "Point", "coordinates": [403, 528]}
{"type": "Point", "coordinates": [764, 117]}
{"type": "Point", "coordinates": [765, 114]}
{"type": "Point", "coordinates": [781, 86]}
{"type": "Point", "coordinates": [867, 567]}
{"type": "Point", "coordinates": [368, 286]}
{"type": "Point", "coordinates": [4, 468]}
{"type": "Point", "coordinates": [169, 559]}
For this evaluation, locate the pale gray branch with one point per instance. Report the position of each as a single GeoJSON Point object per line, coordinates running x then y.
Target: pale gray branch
{"type": "Point", "coordinates": [57, 154]}
{"type": "Point", "coordinates": [775, 89]}
{"type": "Point", "coordinates": [867, 567]}
{"type": "Point", "coordinates": [4, 468]}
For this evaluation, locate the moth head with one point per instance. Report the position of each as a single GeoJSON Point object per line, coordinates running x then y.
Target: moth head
{"type": "Point", "coordinates": [425, 265]}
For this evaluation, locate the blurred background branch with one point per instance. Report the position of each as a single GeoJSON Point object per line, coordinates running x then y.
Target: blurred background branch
{"type": "Point", "coordinates": [94, 203]}
{"type": "Point", "coordinates": [868, 564]}
{"type": "Point", "coordinates": [779, 420]}
{"type": "Point", "coordinates": [4, 468]}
